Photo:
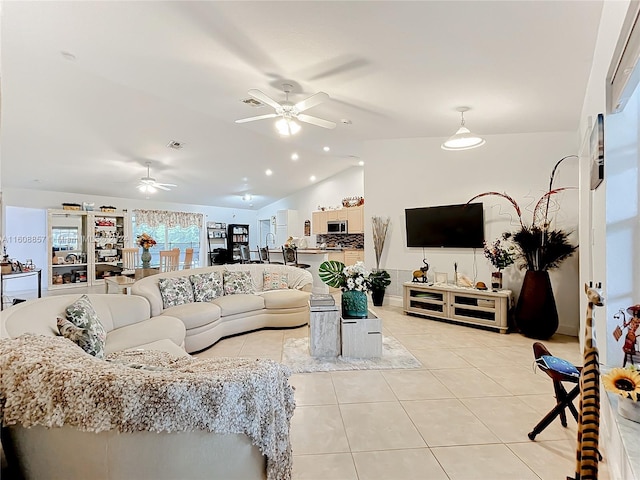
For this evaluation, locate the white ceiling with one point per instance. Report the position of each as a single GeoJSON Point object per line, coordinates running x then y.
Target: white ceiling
{"type": "Point", "coordinates": [149, 72]}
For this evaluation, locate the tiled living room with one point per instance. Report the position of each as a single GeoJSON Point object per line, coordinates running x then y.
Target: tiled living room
{"type": "Point", "coordinates": [238, 112]}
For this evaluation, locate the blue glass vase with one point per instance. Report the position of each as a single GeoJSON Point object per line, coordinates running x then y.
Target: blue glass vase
{"type": "Point", "coordinates": [146, 258]}
{"type": "Point", "coordinates": [354, 304]}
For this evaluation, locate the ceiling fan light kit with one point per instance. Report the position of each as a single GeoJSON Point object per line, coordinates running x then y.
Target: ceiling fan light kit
{"type": "Point", "coordinates": [148, 184]}
{"type": "Point", "coordinates": [463, 139]}
{"type": "Point", "coordinates": [290, 113]}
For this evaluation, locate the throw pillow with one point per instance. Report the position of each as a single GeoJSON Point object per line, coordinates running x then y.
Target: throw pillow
{"type": "Point", "coordinates": [275, 280]}
{"type": "Point", "coordinates": [79, 336]}
{"type": "Point", "coordinates": [206, 286]}
{"type": "Point", "coordinates": [175, 291]}
{"type": "Point", "coordinates": [82, 314]}
{"type": "Point", "coordinates": [237, 282]}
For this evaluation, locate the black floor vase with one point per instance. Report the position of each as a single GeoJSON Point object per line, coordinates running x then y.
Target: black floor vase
{"type": "Point", "coordinates": [536, 314]}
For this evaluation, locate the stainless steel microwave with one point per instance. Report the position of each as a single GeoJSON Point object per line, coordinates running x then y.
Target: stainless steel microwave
{"type": "Point", "coordinates": [337, 226]}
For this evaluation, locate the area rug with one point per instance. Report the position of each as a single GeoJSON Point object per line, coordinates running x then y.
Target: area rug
{"type": "Point", "coordinates": [295, 355]}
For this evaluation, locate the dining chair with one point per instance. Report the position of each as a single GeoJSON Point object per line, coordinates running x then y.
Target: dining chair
{"type": "Point", "coordinates": [290, 255]}
{"type": "Point", "coordinates": [265, 257]}
{"type": "Point", "coordinates": [188, 258]}
{"type": "Point", "coordinates": [130, 260]}
{"type": "Point", "coordinates": [169, 260]}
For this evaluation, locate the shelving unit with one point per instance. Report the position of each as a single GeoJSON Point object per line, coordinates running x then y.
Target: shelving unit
{"type": "Point", "coordinates": [85, 246]}
{"type": "Point", "coordinates": [217, 239]}
{"type": "Point", "coordinates": [458, 304]}
{"type": "Point", "coordinates": [108, 242]}
{"type": "Point", "coordinates": [237, 235]}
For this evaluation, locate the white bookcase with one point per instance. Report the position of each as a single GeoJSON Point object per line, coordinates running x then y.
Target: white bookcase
{"type": "Point", "coordinates": [462, 305]}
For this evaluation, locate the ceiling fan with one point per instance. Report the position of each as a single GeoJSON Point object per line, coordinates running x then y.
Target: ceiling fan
{"type": "Point", "coordinates": [290, 112]}
{"type": "Point", "coordinates": [148, 184]}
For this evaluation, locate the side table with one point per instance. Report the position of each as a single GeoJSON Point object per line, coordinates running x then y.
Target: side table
{"type": "Point", "coordinates": [324, 331]}
{"type": "Point", "coordinates": [362, 337]}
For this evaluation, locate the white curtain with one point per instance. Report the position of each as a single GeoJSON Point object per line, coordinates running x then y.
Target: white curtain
{"type": "Point", "coordinates": [155, 218]}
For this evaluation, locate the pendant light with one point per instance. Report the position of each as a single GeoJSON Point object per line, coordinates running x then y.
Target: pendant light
{"type": "Point", "coordinates": [463, 139]}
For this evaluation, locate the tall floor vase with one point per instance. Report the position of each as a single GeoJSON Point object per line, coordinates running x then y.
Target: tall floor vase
{"type": "Point", "coordinates": [536, 314]}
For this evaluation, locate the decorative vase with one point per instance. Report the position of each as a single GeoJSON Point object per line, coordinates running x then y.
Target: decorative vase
{"type": "Point", "coordinates": [377, 295]}
{"type": "Point", "coordinates": [146, 258]}
{"type": "Point", "coordinates": [536, 315]}
{"type": "Point", "coordinates": [629, 409]}
{"type": "Point", "coordinates": [496, 280]}
{"type": "Point", "coordinates": [354, 304]}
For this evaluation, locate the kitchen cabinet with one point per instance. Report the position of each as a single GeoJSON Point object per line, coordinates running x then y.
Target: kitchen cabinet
{"type": "Point", "coordinates": [355, 219]}
{"type": "Point", "coordinates": [336, 256]}
{"type": "Point", "coordinates": [353, 256]}
{"type": "Point", "coordinates": [319, 223]}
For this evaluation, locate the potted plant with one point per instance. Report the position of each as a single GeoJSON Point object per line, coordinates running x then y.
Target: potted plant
{"type": "Point", "coordinates": [539, 248]}
{"type": "Point", "coordinates": [379, 279]}
{"type": "Point", "coordinates": [501, 255]}
{"type": "Point", "coordinates": [354, 282]}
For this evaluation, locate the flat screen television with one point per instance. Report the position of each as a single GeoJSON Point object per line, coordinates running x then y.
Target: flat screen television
{"type": "Point", "coordinates": [451, 226]}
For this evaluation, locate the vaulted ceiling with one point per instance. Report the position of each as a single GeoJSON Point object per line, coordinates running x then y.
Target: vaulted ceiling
{"type": "Point", "coordinates": [91, 91]}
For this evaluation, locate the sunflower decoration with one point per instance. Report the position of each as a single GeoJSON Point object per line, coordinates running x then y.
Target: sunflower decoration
{"type": "Point", "coordinates": [623, 381]}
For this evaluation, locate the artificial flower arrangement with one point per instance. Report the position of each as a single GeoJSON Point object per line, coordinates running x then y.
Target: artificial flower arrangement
{"type": "Point", "coordinates": [145, 241]}
{"type": "Point", "coordinates": [350, 277]}
{"type": "Point", "coordinates": [500, 253]}
{"type": "Point", "coordinates": [623, 381]}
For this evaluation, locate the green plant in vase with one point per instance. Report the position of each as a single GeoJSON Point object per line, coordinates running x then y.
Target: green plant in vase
{"type": "Point", "coordinates": [353, 280]}
{"type": "Point", "coordinates": [379, 279]}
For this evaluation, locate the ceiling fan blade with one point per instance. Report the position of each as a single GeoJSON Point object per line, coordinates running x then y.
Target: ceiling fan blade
{"type": "Point", "coordinates": [259, 117]}
{"type": "Point", "coordinates": [161, 187]}
{"type": "Point", "coordinates": [165, 184]}
{"type": "Point", "coordinates": [312, 101]}
{"type": "Point", "coordinates": [263, 97]}
{"type": "Point", "coordinates": [316, 121]}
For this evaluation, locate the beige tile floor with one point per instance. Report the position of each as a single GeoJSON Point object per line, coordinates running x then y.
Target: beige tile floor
{"type": "Point", "coordinates": [464, 415]}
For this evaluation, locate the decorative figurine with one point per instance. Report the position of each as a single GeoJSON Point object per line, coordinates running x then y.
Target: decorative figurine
{"type": "Point", "coordinates": [629, 346]}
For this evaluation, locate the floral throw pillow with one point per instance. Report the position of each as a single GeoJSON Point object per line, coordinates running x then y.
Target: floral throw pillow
{"type": "Point", "coordinates": [79, 336]}
{"type": "Point", "coordinates": [275, 280]}
{"type": "Point", "coordinates": [237, 282]}
{"type": "Point", "coordinates": [206, 286]}
{"type": "Point", "coordinates": [82, 314]}
{"type": "Point", "coordinates": [175, 291]}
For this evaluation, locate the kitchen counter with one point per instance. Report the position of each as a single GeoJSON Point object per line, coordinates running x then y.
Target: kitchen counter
{"type": "Point", "coordinates": [318, 251]}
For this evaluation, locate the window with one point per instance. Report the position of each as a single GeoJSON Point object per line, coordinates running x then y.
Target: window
{"type": "Point", "coordinates": [170, 230]}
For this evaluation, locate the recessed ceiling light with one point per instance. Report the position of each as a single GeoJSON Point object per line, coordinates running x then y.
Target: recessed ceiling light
{"type": "Point", "coordinates": [244, 179]}
{"type": "Point", "coordinates": [294, 156]}
{"type": "Point", "coordinates": [361, 163]}
{"type": "Point", "coordinates": [326, 149]}
{"type": "Point", "coordinates": [68, 56]}
{"type": "Point", "coordinates": [312, 178]}
{"type": "Point", "coordinates": [268, 172]}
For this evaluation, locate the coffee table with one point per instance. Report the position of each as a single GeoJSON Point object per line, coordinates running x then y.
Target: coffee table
{"type": "Point", "coordinates": [362, 337]}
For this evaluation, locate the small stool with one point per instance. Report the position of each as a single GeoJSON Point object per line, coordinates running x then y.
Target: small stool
{"type": "Point", "coordinates": [564, 399]}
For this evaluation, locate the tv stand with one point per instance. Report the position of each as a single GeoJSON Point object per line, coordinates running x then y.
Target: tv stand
{"type": "Point", "coordinates": [465, 305]}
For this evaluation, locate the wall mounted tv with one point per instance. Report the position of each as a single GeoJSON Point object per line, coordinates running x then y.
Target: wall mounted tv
{"type": "Point", "coordinates": [452, 226]}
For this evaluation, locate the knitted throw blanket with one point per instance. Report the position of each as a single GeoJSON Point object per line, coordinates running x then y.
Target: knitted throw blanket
{"type": "Point", "coordinates": [50, 381]}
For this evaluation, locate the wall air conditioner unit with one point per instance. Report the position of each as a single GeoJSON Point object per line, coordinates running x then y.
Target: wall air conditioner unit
{"type": "Point", "coordinates": [624, 74]}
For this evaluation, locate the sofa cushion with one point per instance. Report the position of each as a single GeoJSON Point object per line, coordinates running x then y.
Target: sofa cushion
{"type": "Point", "coordinates": [82, 314]}
{"type": "Point", "coordinates": [289, 298]}
{"type": "Point", "coordinates": [144, 332]}
{"type": "Point", "coordinates": [175, 291]}
{"type": "Point", "coordinates": [195, 315]}
{"type": "Point", "coordinates": [237, 282]}
{"type": "Point", "coordinates": [274, 280]}
{"type": "Point", "coordinates": [206, 286]}
{"type": "Point", "coordinates": [240, 303]}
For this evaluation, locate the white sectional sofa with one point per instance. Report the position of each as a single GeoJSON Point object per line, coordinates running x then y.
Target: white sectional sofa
{"type": "Point", "coordinates": [49, 449]}
{"type": "Point", "coordinates": [208, 322]}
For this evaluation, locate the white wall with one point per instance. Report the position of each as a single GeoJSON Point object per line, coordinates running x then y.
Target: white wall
{"type": "Point", "coordinates": [416, 172]}
{"type": "Point", "coordinates": [329, 192]}
{"type": "Point", "coordinates": [43, 200]}
{"type": "Point", "coordinates": [593, 204]}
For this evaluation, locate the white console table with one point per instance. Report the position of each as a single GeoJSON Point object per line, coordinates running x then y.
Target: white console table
{"type": "Point", "coordinates": [486, 308]}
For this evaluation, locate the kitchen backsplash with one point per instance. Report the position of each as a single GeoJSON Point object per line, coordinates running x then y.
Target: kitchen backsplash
{"type": "Point", "coordinates": [350, 240]}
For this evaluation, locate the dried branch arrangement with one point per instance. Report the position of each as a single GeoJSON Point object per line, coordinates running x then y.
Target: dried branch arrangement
{"type": "Point", "coordinates": [380, 226]}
